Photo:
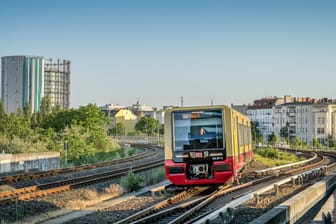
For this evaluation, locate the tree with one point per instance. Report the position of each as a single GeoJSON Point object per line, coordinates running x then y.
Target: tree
{"type": "Point", "coordinates": [89, 117]}
{"type": "Point", "coordinates": [298, 142]}
{"type": "Point", "coordinates": [315, 143]}
{"type": "Point", "coordinates": [27, 111]}
{"type": "Point", "coordinates": [3, 116]}
{"type": "Point", "coordinates": [256, 136]}
{"type": "Point", "coordinates": [331, 141]}
{"type": "Point", "coordinates": [147, 125]}
{"type": "Point", "coordinates": [45, 111]}
{"type": "Point", "coordinates": [84, 130]}
{"type": "Point", "coordinates": [272, 139]}
{"type": "Point", "coordinates": [284, 132]}
{"type": "Point", "coordinates": [2, 110]}
{"type": "Point", "coordinates": [161, 130]}
{"type": "Point", "coordinates": [118, 129]}
{"type": "Point", "coordinates": [16, 125]}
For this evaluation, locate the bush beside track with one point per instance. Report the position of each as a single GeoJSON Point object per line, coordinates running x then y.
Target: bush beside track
{"type": "Point", "coordinates": [273, 157]}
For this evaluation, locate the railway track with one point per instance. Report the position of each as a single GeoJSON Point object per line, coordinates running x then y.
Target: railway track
{"type": "Point", "coordinates": [149, 214]}
{"type": "Point", "coordinates": [32, 192]}
{"type": "Point", "coordinates": [274, 196]}
{"type": "Point", "coordinates": [192, 210]}
{"type": "Point", "coordinates": [40, 174]}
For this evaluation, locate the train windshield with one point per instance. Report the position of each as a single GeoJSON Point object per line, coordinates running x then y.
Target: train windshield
{"type": "Point", "coordinates": [201, 129]}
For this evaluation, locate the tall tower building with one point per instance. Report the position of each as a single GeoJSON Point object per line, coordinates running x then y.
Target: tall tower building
{"type": "Point", "coordinates": [57, 82]}
{"type": "Point", "coordinates": [26, 79]}
{"type": "Point", "coordinates": [22, 82]}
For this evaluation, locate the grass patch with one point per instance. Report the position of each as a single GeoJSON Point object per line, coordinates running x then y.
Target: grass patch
{"type": "Point", "coordinates": [111, 155]}
{"type": "Point", "coordinates": [90, 196]}
{"type": "Point", "coordinates": [113, 190]}
{"type": "Point", "coordinates": [274, 157]}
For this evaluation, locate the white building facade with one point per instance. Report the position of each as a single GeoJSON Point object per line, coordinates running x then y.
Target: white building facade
{"type": "Point", "coordinates": [306, 120]}
{"type": "Point", "coordinates": [296, 118]}
{"type": "Point", "coordinates": [324, 115]}
{"type": "Point", "coordinates": [262, 112]}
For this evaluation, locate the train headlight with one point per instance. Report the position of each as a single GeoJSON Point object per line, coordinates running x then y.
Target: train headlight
{"type": "Point", "coordinates": [222, 167]}
{"type": "Point", "coordinates": [175, 169]}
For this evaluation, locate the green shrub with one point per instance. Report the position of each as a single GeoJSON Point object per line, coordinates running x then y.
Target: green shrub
{"type": "Point", "coordinates": [131, 182]}
{"type": "Point", "coordinates": [131, 152]}
{"type": "Point", "coordinates": [122, 153]}
{"type": "Point", "coordinates": [273, 157]}
{"type": "Point", "coordinates": [267, 152]}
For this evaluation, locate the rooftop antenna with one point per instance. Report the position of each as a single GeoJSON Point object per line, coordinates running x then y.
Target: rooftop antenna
{"type": "Point", "coordinates": [181, 101]}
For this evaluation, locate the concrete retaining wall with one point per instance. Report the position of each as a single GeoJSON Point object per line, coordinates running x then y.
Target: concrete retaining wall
{"type": "Point", "coordinates": [292, 210]}
{"type": "Point", "coordinates": [27, 161]}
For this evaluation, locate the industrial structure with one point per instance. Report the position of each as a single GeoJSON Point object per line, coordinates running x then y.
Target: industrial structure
{"type": "Point", "coordinates": [57, 82]}
{"type": "Point", "coordinates": [26, 79]}
{"type": "Point", "coordinates": [22, 79]}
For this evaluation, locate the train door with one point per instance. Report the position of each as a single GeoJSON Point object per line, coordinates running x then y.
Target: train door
{"type": "Point", "coordinates": [245, 140]}
{"type": "Point", "coordinates": [238, 143]}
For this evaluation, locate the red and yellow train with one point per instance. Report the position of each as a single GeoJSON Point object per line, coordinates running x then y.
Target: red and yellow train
{"type": "Point", "coordinates": [206, 145]}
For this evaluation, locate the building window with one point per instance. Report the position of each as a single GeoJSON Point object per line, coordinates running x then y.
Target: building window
{"type": "Point", "coordinates": [320, 120]}
{"type": "Point", "coordinates": [320, 130]}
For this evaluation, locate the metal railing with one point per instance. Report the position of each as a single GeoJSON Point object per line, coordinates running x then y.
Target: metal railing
{"type": "Point", "coordinates": [140, 139]}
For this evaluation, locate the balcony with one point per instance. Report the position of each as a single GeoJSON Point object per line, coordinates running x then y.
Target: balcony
{"type": "Point", "coordinates": [292, 124]}
{"type": "Point", "coordinates": [290, 114]}
{"type": "Point", "coordinates": [292, 132]}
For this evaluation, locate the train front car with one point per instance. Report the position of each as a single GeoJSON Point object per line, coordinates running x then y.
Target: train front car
{"type": "Point", "coordinates": [200, 146]}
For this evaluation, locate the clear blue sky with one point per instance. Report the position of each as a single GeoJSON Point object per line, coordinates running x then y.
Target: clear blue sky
{"type": "Point", "coordinates": [228, 51]}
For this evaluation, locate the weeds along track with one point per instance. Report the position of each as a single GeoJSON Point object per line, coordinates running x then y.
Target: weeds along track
{"type": "Point", "coordinates": [40, 174]}
{"type": "Point", "coordinates": [152, 160]}
{"type": "Point", "coordinates": [313, 160]}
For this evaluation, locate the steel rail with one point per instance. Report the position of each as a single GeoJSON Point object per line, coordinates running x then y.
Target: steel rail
{"type": "Point", "coordinates": [59, 186]}
{"type": "Point", "coordinates": [192, 209]}
{"type": "Point", "coordinates": [34, 175]}
{"type": "Point", "coordinates": [162, 206]}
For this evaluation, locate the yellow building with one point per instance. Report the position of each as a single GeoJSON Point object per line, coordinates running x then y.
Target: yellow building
{"type": "Point", "coordinates": [125, 117]}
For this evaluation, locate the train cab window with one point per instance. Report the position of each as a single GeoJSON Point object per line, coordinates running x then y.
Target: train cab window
{"type": "Point", "coordinates": [201, 129]}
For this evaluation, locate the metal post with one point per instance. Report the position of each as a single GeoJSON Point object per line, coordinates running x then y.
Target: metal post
{"type": "Point", "coordinates": [256, 197]}
{"type": "Point", "coordinates": [66, 153]}
{"type": "Point", "coordinates": [276, 187]}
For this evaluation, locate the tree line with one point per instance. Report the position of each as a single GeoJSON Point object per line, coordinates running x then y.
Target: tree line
{"type": "Point", "coordinates": [85, 130]}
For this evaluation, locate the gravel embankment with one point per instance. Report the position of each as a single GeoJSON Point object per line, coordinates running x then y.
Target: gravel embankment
{"type": "Point", "coordinates": [119, 211]}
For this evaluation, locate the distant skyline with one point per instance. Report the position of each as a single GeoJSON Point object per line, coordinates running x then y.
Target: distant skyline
{"type": "Point", "coordinates": [228, 52]}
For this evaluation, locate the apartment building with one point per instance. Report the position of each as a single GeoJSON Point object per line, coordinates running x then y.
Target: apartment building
{"type": "Point", "coordinates": [302, 117]}
{"type": "Point", "coordinates": [261, 111]}
{"type": "Point", "coordinates": [296, 118]}
{"type": "Point", "coordinates": [324, 116]}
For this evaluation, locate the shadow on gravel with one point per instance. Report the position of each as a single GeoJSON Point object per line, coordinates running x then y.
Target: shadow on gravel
{"type": "Point", "coordinates": [19, 211]}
